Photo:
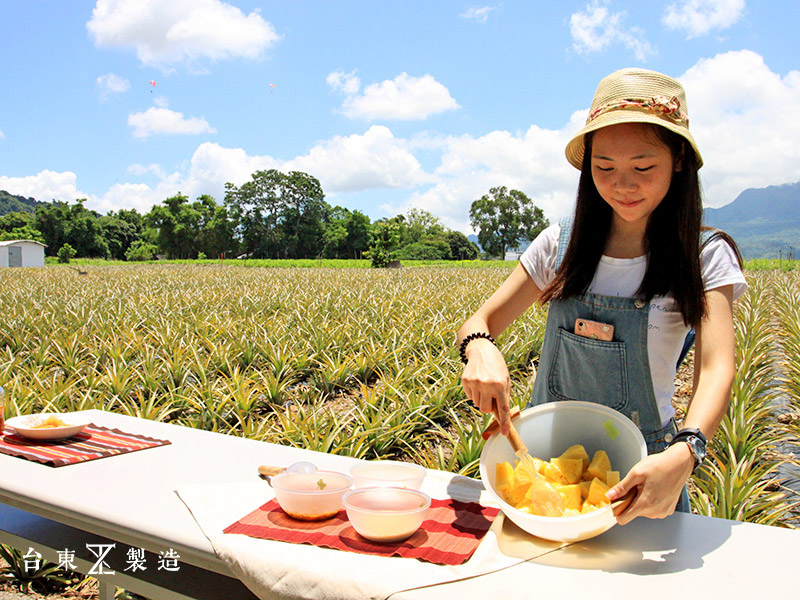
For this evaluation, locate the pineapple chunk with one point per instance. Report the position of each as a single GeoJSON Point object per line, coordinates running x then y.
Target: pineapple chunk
{"type": "Point", "coordinates": [572, 496]}
{"type": "Point", "coordinates": [570, 469]}
{"type": "Point", "coordinates": [553, 473]}
{"type": "Point", "coordinates": [612, 478]}
{"type": "Point", "coordinates": [599, 465]}
{"type": "Point", "coordinates": [577, 451]}
{"type": "Point", "coordinates": [597, 493]}
{"type": "Point", "coordinates": [504, 476]}
{"type": "Point", "coordinates": [585, 485]}
{"type": "Point", "coordinates": [522, 475]}
{"type": "Point", "coordinates": [545, 499]}
{"type": "Point", "coordinates": [518, 493]}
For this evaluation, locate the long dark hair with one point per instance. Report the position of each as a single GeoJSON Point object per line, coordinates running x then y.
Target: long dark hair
{"type": "Point", "coordinates": [671, 239]}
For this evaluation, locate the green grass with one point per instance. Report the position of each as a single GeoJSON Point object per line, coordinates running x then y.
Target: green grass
{"type": "Point", "coordinates": [293, 263]}
{"type": "Point", "coordinates": [771, 264]}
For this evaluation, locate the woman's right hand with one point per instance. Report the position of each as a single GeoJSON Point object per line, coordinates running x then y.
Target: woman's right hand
{"type": "Point", "coordinates": [486, 381]}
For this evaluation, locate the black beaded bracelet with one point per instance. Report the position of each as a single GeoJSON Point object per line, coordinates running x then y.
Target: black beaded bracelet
{"type": "Point", "coordinates": [462, 350]}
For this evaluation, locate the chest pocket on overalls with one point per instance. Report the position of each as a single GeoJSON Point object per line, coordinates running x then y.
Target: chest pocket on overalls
{"type": "Point", "coordinates": [589, 370]}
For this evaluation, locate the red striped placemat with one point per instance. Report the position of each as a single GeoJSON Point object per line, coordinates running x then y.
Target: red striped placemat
{"type": "Point", "coordinates": [92, 443]}
{"type": "Point", "coordinates": [449, 535]}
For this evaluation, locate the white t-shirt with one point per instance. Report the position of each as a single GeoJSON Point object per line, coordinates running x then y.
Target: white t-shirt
{"type": "Point", "coordinates": [622, 277]}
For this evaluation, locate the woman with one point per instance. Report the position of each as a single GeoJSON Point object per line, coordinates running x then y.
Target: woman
{"type": "Point", "coordinates": [633, 269]}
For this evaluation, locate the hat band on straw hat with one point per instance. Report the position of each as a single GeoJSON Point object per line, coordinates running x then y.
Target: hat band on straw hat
{"type": "Point", "coordinates": [669, 108]}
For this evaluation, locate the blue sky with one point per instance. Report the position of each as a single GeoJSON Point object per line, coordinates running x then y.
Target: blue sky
{"type": "Point", "coordinates": [390, 104]}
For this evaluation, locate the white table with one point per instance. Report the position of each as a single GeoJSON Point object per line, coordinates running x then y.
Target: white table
{"type": "Point", "coordinates": [131, 500]}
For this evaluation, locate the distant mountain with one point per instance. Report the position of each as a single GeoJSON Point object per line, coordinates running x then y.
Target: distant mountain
{"type": "Point", "coordinates": [764, 222]}
{"type": "Point", "coordinates": [10, 203]}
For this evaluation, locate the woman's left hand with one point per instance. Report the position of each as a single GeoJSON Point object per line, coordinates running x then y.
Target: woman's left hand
{"type": "Point", "coordinates": [658, 481]}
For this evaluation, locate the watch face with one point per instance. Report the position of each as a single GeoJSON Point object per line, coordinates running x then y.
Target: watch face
{"type": "Point", "coordinates": [698, 448]}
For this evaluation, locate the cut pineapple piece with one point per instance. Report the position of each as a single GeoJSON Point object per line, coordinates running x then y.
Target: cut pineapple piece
{"type": "Point", "coordinates": [597, 493]}
{"type": "Point", "coordinates": [553, 473]}
{"type": "Point", "coordinates": [577, 451]}
{"type": "Point", "coordinates": [572, 496]}
{"type": "Point", "coordinates": [570, 469]}
{"type": "Point", "coordinates": [612, 478]}
{"type": "Point", "coordinates": [522, 475]}
{"type": "Point", "coordinates": [504, 476]}
{"type": "Point", "coordinates": [585, 485]}
{"type": "Point", "coordinates": [545, 499]}
{"type": "Point", "coordinates": [518, 493]}
{"type": "Point", "coordinates": [599, 465]}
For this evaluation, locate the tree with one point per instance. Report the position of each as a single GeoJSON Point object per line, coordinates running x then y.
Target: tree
{"type": "Point", "coordinates": [121, 229]}
{"type": "Point", "coordinates": [141, 250]}
{"type": "Point", "coordinates": [23, 233]}
{"type": "Point", "coordinates": [303, 215]}
{"type": "Point", "coordinates": [460, 246]}
{"type": "Point", "coordinates": [61, 223]}
{"type": "Point", "coordinates": [419, 224]}
{"type": "Point", "coordinates": [385, 241]}
{"type": "Point", "coordinates": [359, 234]}
{"type": "Point", "coordinates": [279, 215]}
{"type": "Point", "coordinates": [425, 249]}
{"type": "Point", "coordinates": [185, 230]}
{"type": "Point", "coordinates": [66, 253]}
{"type": "Point", "coordinates": [20, 226]}
{"type": "Point", "coordinates": [503, 218]}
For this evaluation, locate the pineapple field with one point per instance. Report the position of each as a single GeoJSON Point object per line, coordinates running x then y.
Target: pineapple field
{"type": "Point", "coordinates": [358, 362]}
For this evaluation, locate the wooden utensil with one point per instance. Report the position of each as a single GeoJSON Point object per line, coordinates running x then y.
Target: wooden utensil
{"type": "Point", "coordinates": [265, 472]}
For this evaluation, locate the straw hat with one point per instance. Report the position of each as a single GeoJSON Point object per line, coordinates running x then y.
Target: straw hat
{"type": "Point", "coordinates": [635, 96]}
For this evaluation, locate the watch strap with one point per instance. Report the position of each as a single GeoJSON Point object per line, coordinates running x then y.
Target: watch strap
{"type": "Point", "coordinates": [686, 432]}
{"type": "Point", "coordinates": [691, 435]}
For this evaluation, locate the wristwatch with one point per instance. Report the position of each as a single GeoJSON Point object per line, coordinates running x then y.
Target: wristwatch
{"type": "Point", "coordinates": [697, 443]}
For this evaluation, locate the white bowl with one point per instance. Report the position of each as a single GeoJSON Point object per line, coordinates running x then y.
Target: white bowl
{"type": "Point", "coordinates": [27, 426]}
{"type": "Point", "coordinates": [311, 496]}
{"type": "Point", "coordinates": [548, 430]}
{"type": "Point", "coordinates": [386, 514]}
{"type": "Point", "coordinates": [387, 473]}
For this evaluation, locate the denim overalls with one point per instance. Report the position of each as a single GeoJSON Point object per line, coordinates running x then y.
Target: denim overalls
{"type": "Point", "coordinates": [615, 374]}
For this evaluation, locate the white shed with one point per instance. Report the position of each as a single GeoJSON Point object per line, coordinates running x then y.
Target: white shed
{"type": "Point", "coordinates": [21, 253]}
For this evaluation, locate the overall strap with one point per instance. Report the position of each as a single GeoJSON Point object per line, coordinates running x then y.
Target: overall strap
{"type": "Point", "coordinates": [706, 235]}
{"type": "Point", "coordinates": [563, 239]}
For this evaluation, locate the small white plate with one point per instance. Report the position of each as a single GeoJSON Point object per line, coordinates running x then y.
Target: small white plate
{"type": "Point", "coordinates": [25, 426]}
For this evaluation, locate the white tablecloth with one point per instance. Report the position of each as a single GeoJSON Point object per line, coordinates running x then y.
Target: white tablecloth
{"type": "Point", "coordinates": [276, 569]}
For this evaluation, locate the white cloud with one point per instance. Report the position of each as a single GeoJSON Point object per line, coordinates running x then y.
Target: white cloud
{"type": "Point", "coordinates": [111, 83]}
{"type": "Point", "coordinates": [2, 135]}
{"type": "Point", "coordinates": [178, 31]}
{"type": "Point", "coordinates": [139, 169]}
{"type": "Point", "coordinates": [44, 186]}
{"type": "Point", "coordinates": [359, 162]}
{"type": "Point", "coordinates": [402, 98]}
{"type": "Point", "coordinates": [698, 17]}
{"type": "Point", "coordinates": [743, 118]}
{"type": "Point", "coordinates": [597, 28]}
{"type": "Point", "coordinates": [531, 161]}
{"type": "Point", "coordinates": [348, 83]}
{"type": "Point", "coordinates": [477, 14]}
{"type": "Point", "coordinates": [162, 120]}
